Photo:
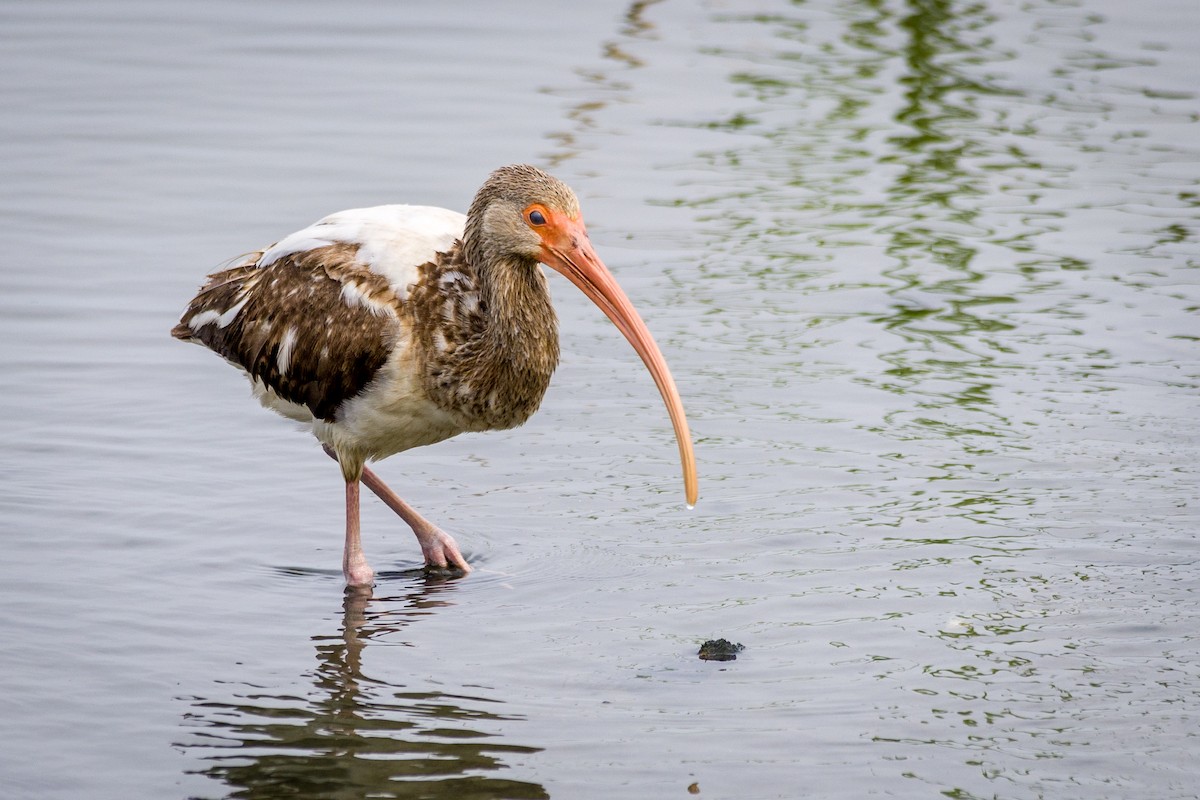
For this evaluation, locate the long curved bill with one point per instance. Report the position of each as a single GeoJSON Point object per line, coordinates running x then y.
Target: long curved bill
{"type": "Point", "coordinates": [571, 254]}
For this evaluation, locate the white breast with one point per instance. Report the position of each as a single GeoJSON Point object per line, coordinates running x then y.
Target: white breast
{"type": "Point", "coordinates": [393, 240]}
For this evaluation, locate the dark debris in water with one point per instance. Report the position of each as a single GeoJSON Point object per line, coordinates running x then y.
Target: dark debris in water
{"type": "Point", "coordinates": [720, 650]}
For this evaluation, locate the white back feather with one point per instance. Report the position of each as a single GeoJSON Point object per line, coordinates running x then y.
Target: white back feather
{"type": "Point", "coordinates": [393, 240]}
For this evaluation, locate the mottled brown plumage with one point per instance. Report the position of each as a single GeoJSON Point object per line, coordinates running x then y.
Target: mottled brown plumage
{"type": "Point", "coordinates": [462, 320]}
{"type": "Point", "coordinates": [487, 336]}
{"type": "Point", "coordinates": [393, 327]}
{"type": "Point", "coordinates": [295, 332]}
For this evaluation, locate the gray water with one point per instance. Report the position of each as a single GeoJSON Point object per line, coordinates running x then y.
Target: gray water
{"type": "Point", "coordinates": [926, 274]}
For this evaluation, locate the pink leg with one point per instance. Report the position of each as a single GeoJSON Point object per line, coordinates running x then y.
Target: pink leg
{"type": "Point", "coordinates": [358, 572]}
{"type": "Point", "coordinates": [438, 547]}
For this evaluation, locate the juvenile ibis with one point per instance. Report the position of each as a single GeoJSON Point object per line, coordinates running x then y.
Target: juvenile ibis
{"type": "Point", "coordinates": [397, 326]}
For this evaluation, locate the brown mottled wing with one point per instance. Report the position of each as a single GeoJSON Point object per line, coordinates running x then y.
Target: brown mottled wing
{"type": "Point", "coordinates": [313, 326]}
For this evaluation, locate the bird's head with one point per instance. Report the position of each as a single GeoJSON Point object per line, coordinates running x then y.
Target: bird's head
{"type": "Point", "coordinates": [518, 211]}
{"type": "Point", "coordinates": [522, 213]}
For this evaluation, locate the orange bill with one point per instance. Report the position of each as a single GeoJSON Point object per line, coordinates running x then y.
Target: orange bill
{"type": "Point", "coordinates": [565, 247]}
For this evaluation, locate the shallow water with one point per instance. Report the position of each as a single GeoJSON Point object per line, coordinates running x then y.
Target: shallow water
{"type": "Point", "coordinates": [926, 274]}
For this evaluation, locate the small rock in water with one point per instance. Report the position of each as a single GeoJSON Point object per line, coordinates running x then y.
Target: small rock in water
{"type": "Point", "coordinates": [720, 650]}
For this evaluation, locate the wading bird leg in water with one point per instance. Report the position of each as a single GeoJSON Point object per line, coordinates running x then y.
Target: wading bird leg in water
{"type": "Point", "coordinates": [439, 548]}
{"type": "Point", "coordinates": [358, 573]}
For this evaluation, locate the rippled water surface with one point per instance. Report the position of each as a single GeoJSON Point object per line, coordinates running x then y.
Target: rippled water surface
{"type": "Point", "coordinates": [927, 274]}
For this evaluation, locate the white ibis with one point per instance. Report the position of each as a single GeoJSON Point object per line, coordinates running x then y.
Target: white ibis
{"type": "Point", "coordinates": [397, 326]}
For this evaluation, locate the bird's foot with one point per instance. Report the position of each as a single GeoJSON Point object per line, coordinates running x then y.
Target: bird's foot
{"type": "Point", "coordinates": [359, 575]}
{"type": "Point", "coordinates": [441, 551]}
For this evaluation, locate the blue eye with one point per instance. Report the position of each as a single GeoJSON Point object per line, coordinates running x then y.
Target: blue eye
{"type": "Point", "coordinates": [536, 218]}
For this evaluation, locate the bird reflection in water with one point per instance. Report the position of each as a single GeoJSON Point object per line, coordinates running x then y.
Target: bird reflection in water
{"type": "Point", "coordinates": [354, 735]}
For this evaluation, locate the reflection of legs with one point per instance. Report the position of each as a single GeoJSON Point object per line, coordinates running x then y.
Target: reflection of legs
{"type": "Point", "coordinates": [438, 547]}
{"type": "Point", "coordinates": [354, 563]}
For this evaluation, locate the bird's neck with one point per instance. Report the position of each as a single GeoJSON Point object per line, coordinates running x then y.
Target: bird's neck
{"type": "Point", "coordinates": [497, 347]}
{"type": "Point", "coordinates": [522, 327]}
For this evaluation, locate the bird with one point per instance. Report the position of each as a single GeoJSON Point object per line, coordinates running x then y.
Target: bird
{"type": "Point", "coordinates": [392, 327]}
